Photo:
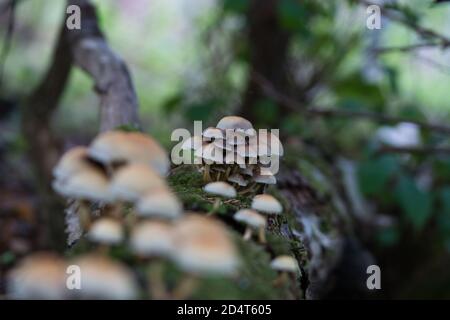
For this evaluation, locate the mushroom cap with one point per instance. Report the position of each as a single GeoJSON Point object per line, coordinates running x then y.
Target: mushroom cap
{"type": "Point", "coordinates": [106, 231]}
{"type": "Point", "coordinates": [238, 179]}
{"type": "Point", "coordinates": [210, 153]}
{"type": "Point", "coordinates": [265, 176]}
{"type": "Point", "coordinates": [248, 171]}
{"type": "Point", "coordinates": [103, 278]}
{"type": "Point", "coordinates": [71, 162]}
{"type": "Point", "coordinates": [212, 133]}
{"type": "Point", "coordinates": [269, 144]}
{"type": "Point", "coordinates": [234, 137]}
{"type": "Point", "coordinates": [193, 143]}
{"type": "Point", "coordinates": [247, 150]}
{"type": "Point", "coordinates": [203, 246]}
{"type": "Point", "coordinates": [234, 158]}
{"type": "Point", "coordinates": [133, 181]}
{"type": "Point", "coordinates": [90, 184]}
{"type": "Point", "coordinates": [220, 188]}
{"type": "Point", "coordinates": [267, 204]}
{"type": "Point", "coordinates": [159, 203]}
{"type": "Point", "coordinates": [129, 147]}
{"type": "Point", "coordinates": [251, 218]}
{"type": "Point", "coordinates": [38, 276]}
{"type": "Point", "coordinates": [152, 238]}
{"type": "Point", "coordinates": [234, 122]}
{"type": "Point", "coordinates": [222, 144]}
{"type": "Point", "coordinates": [284, 263]}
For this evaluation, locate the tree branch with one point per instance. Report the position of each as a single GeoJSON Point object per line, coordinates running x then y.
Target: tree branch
{"type": "Point", "coordinates": [113, 84]}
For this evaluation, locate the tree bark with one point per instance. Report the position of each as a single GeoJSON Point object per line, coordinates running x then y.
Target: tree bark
{"type": "Point", "coordinates": [268, 45]}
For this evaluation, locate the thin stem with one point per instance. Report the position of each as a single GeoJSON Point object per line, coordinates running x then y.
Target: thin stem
{"type": "Point", "coordinates": [247, 234]}
{"type": "Point", "coordinates": [185, 288]}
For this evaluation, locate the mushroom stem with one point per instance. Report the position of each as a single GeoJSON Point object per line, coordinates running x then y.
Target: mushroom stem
{"type": "Point", "coordinates": [185, 288]}
{"type": "Point", "coordinates": [84, 214]}
{"type": "Point", "coordinates": [117, 209]}
{"type": "Point", "coordinates": [247, 234]}
{"type": "Point", "coordinates": [215, 206]}
{"type": "Point", "coordinates": [227, 172]}
{"type": "Point", "coordinates": [218, 176]}
{"type": "Point", "coordinates": [282, 279]}
{"type": "Point", "coordinates": [157, 288]}
{"type": "Point", "coordinates": [262, 235]}
{"type": "Point", "coordinates": [206, 174]}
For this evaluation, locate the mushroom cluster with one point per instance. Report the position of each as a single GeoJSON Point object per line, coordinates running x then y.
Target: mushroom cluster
{"type": "Point", "coordinates": [234, 151]}
{"type": "Point", "coordinates": [123, 174]}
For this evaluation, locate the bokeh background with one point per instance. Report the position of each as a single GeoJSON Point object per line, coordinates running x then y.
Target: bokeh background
{"type": "Point", "coordinates": [192, 60]}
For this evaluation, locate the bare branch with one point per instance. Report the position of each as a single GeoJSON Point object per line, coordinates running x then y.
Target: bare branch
{"type": "Point", "coordinates": [113, 84]}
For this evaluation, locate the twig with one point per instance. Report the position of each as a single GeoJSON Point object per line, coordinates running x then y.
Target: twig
{"type": "Point", "coordinates": [422, 150]}
{"type": "Point", "coordinates": [422, 31]}
{"type": "Point", "coordinates": [290, 103]}
{"type": "Point", "coordinates": [407, 48]}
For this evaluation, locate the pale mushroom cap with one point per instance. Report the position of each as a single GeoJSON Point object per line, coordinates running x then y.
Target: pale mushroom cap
{"type": "Point", "coordinates": [212, 133]}
{"type": "Point", "coordinates": [234, 122]}
{"type": "Point", "coordinates": [247, 150]}
{"type": "Point", "coordinates": [284, 263]}
{"type": "Point", "coordinates": [204, 246]}
{"type": "Point", "coordinates": [247, 171]}
{"type": "Point", "coordinates": [73, 161]}
{"type": "Point", "coordinates": [234, 158]}
{"type": "Point", "coordinates": [238, 179]}
{"type": "Point", "coordinates": [133, 181]}
{"type": "Point", "coordinates": [90, 184]}
{"type": "Point", "coordinates": [193, 143]}
{"type": "Point", "coordinates": [265, 176]}
{"type": "Point", "coordinates": [129, 147]}
{"type": "Point", "coordinates": [220, 188]}
{"type": "Point", "coordinates": [266, 203]}
{"type": "Point", "coordinates": [211, 153]}
{"type": "Point", "coordinates": [159, 203]}
{"type": "Point", "coordinates": [234, 137]}
{"type": "Point", "coordinates": [222, 144]}
{"type": "Point", "coordinates": [106, 231]}
{"type": "Point", "coordinates": [251, 218]}
{"type": "Point", "coordinates": [39, 276]}
{"type": "Point", "coordinates": [152, 238]}
{"type": "Point", "coordinates": [103, 278]}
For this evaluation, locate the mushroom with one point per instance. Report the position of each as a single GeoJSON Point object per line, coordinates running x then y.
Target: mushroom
{"type": "Point", "coordinates": [238, 179]}
{"type": "Point", "coordinates": [153, 240]}
{"type": "Point", "coordinates": [252, 220]}
{"type": "Point", "coordinates": [269, 144]}
{"type": "Point", "coordinates": [285, 265]}
{"type": "Point", "coordinates": [212, 133]}
{"type": "Point", "coordinates": [129, 147]}
{"type": "Point", "coordinates": [267, 204]}
{"type": "Point", "coordinates": [160, 203]}
{"type": "Point", "coordinates": [88, 185]}
{"type": "Point", "coordinates": [210, 154]}
{"type": "Point", "coordinates": [39, 276]}
{"type": "Point", "coordinates": [133, 181]}
{"type": "Point", "coordinates": [203, 247]}
{"type": "Point", "coordinates": [234, 122]}
{"type": "Point", "coordinates": [106, 231]}
{"type": "Point", "coordinates": [103, 278]}
{"type": "Point", "coordinates": [221, 189]}
{"type": "Point", "coordinates": [193, 143]}
{"type": "Point", "coordinates": [73, 161]}
{"type": "Point", "coordinates": [265, 176]}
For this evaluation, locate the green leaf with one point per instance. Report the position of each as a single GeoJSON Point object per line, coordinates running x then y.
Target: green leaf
{"type": "Point", "coordinates": [199, 111]}
{"type": "Point", "coordinates": [374, 174]}
{"type": "Point", "coordinates": [415, 203]}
